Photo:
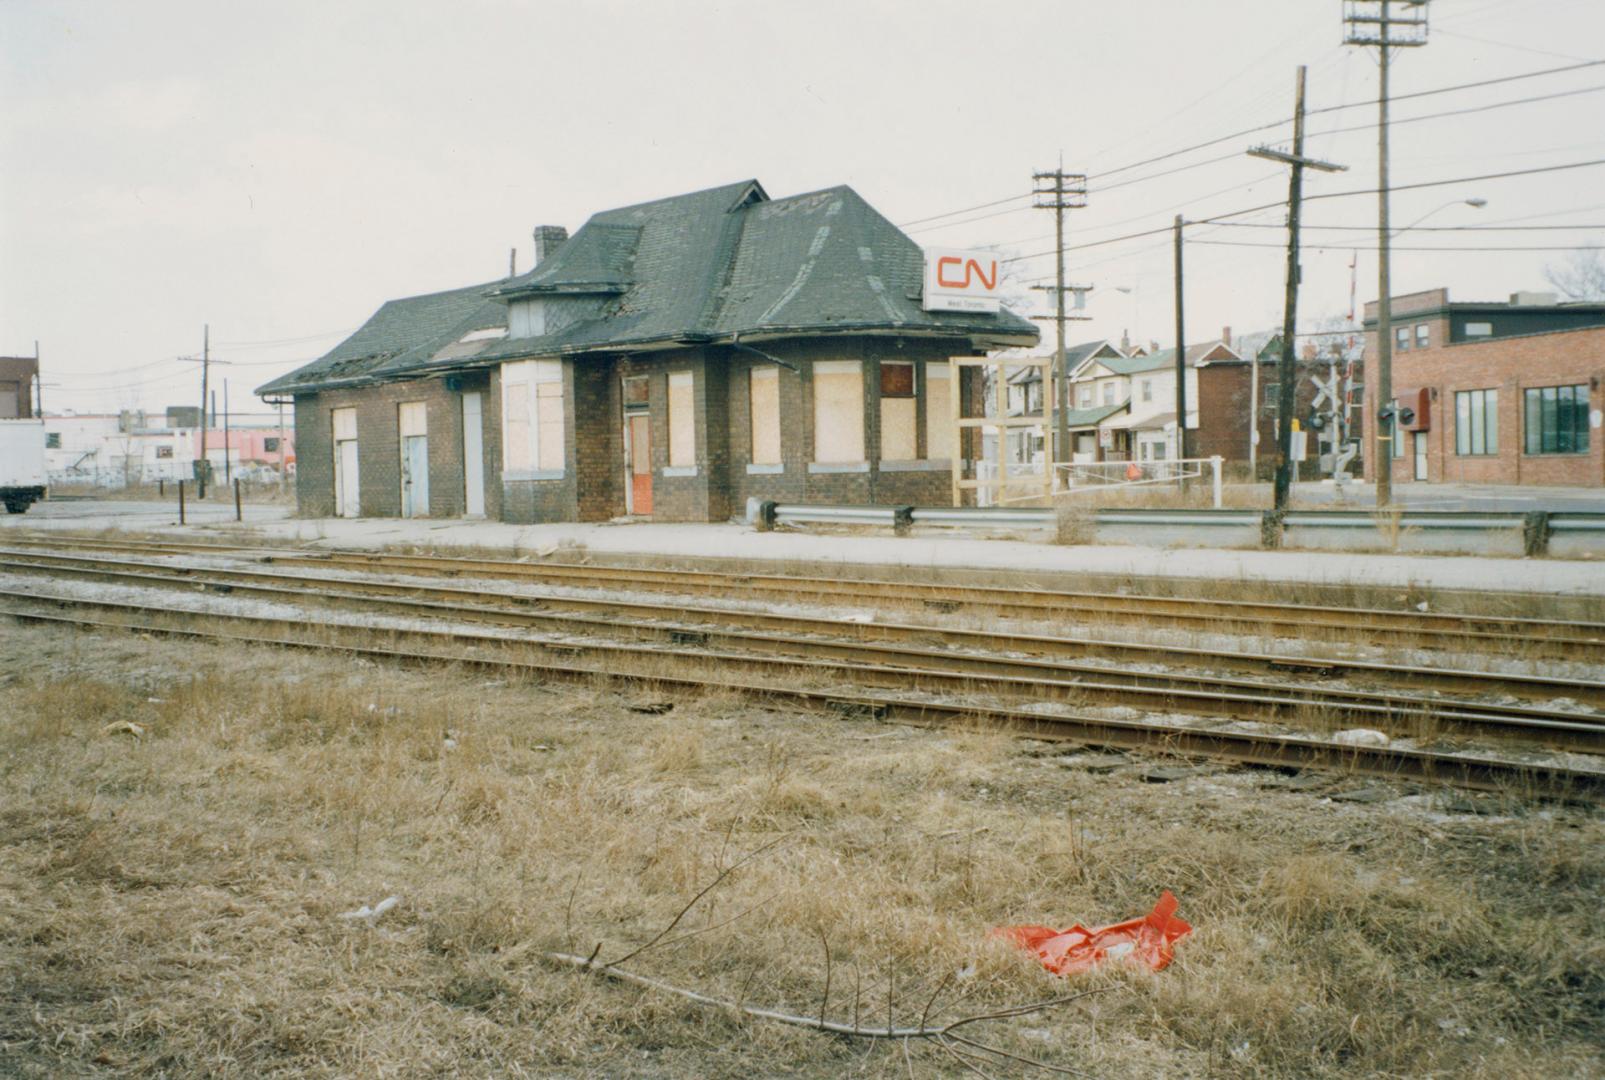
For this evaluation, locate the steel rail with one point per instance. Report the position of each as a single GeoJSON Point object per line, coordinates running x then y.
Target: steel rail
{"type": "Point", "coordinates": [683, 624]}
{"type": "Point", "coordinates": [678, 620]}
{"type": "Point", "coordinates": [1284, 751]}
{"type": "Point", "coordinates": [941, 671]}
{"type": "Point", "coordinates": [1554, 638]}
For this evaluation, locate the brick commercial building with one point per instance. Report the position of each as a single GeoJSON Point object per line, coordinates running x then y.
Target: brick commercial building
{"type": "Point", "coordinates": [669, 360]}
{"type": "Point", "coordinates": [1498, 393]}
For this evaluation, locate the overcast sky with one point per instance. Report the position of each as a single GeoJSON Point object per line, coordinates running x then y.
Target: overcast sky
{"type": "Point", "coordinates": [280, 169]}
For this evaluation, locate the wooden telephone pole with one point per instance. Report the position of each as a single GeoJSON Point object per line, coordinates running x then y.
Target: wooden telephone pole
{"type": "Point", "coordinates": [1060, 191]}
{"type": "Point", "coordinates": [1287, 390]}
{"type": "Point", "coordinates": [1372, 22]}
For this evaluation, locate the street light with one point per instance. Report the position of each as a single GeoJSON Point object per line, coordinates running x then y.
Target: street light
{"type": "Point", "coordinates": [1476, 202]}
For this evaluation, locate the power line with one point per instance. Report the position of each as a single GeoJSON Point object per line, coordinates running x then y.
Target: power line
{"type": "Point", "coordinates": [1413, 228]}
{"type": "Point", "coordinates": [1278, 123]}
{"type": "Point", "coordinates": [1221, 218]}
{"type": "Point", "coordinates": [1395, 247]}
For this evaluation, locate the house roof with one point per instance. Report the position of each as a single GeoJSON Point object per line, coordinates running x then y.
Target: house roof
{"type": "Point", "coordinates": [704, 267]}
{"type": "Point", "coordinates": [1077, 418]}
{"type": "Point", "coordinates": [1166, 358]}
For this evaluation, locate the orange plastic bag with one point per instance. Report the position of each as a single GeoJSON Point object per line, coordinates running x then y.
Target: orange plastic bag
{"type": "Point", "coordinates": [1149, 940]}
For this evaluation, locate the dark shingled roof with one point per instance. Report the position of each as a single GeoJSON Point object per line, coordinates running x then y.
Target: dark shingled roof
{"type": "Point", "coordinates": [696, 268]}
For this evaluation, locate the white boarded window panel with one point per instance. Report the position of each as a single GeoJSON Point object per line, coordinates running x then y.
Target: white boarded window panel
{"type": "Point", "coordinates": [515, 420]}
{"type": "Point", "coordinates": [682, 420]}
{"type": "Point", "coordinates": [938, 412]}
{"type": "Point", "coordinates": [549, 424]}
{"type": "Point", "coordinates": [765, 402]}
{"type": "Point", "coordinates": [345, 424]}
{"type": "Point", "coordinates": [838, 411]}
{"type": "Point", "coordinates": [897, 429]}
{"type": "Point", "coordinates": [414, 418]}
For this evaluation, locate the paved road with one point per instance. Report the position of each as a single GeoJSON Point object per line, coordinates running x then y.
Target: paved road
{"type": "Point", "coordinates": [136, 514]}
{"type": "Point", "coordinates": [1475, 497]}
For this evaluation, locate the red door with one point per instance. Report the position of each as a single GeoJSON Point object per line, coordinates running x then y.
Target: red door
{"type": "Point", "coordinates": [639, 435]}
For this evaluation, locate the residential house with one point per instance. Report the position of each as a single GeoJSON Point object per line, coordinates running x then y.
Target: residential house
{"type": "Point", "coordinates": [670, 360]}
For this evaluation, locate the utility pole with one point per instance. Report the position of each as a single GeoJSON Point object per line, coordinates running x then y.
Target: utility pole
{"type": "Point", "coordinates": [1372, 22]}
{"type": "Point", "coordinates": [281, 442]}
{"type": "Point", "coordinates": [1068, 191]}
{"type": "Point", "coordinates": [206, 362]}
{"type": "Point", "coordinates": [1183, 444]}
{"type": "Point", "coordinates": [1287, 390]}
{"type": "Point", "coordinates": [228, 472]}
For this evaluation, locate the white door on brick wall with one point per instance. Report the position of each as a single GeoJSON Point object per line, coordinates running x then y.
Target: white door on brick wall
{"type": "Point", "coordinates": [1421, 454]}
{"type": "Point", "coordinates": [343, 423]}
{"type": "Point", "coordinates": [473, 454]}
{"type": "Point", "coordinates": [412, 420]}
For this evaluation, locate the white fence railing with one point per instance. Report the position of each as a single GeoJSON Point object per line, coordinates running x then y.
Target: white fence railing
{"type": "Point", "coordinates": [1074, 478]}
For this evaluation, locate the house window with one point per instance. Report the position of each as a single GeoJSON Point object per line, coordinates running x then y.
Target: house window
{"type": "Point", "coordinates": [52, 440]}
{"type": "Point", "coordinates": [637, 392]}
{"type": "Point", "coordinates": [164, 451]}
{"type": "Point", "coordinates": [1557, 420]}
{"type": "Point", "coordinates": [682, 420]}
{"type": "Point", "coordinates": [1273, 400]}
{"type": "Point", "coordinates": [763, 400]}
{"type": "Point", "coordinates": [1476, 422]}
{"type": "Point", "coordinates": [1147, 389]}
{"type": "Point", "coordinates": [1479, 329]}
{"type": "Point", "coordinates": [1423, 335]}
{"type": "Point", "coordinates": [1401, 338]}
{"type": "Point", "coordinates": [938, 412]}
{"type": "Point", "coordinates": [270, 445]}
{"type": "Point", "coordinates": [532, 416]}
{"type": "Point", "coordinates": [898, 421]}
{"type": "Point", "coordinates": [1086, 397]}
{"type": "Point", "coordinates": [1108, 393]}
{"type": "Point", "coordinates": [838, 412]}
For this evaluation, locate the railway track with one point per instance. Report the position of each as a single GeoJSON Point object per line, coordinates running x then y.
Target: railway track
{"type": "Point", "coordinates": [1539, 778]}
{"type": "Point", "coordinates": [1529, 638]}
{"type": "Point", "coordinates": [824, 648]}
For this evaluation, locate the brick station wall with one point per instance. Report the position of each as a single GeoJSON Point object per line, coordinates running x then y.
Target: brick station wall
{"type": "Point", "coordinates": [379, 446]}
{"type": "Point", "coordinates": [1511, 366]}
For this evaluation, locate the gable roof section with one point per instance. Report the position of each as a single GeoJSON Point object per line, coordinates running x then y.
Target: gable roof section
{"type": "Point", "coordinates": [401, 336]}
{"type": "Point", "coordinates": [1205, 353]}
{"type": "Point", "coordinates": [704, 267]}
{"type": "Point", "coordinates": [1077, 357]}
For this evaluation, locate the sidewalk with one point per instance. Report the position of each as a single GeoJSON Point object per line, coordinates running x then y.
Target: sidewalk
{"type": "Point", "coordinates": [1577, 577]}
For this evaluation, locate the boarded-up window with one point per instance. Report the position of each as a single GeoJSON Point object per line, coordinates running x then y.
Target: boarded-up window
{"type": "Point", "coordinates": [898, 419]}
{"type": "Point", "coordinates": [838, 411]}
{"type": "Point", "coordinates": [413, 418]}
{"type": "Point", "coordinates": [532, 416]}
{"type": "Point", "coordinates": [938, 412]}
{"type": "Point", "coordinates": [345, 424]}
{"type": "Point", "coordinates": [764, 397]}
{"type": "Point", "coordinates": [682, 420]}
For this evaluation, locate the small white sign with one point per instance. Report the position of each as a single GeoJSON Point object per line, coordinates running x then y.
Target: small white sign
{"type": "Point", "coordinates": [962, 280]}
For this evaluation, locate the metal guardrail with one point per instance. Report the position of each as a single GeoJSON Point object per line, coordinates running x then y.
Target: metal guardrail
{"type": "Point", "coordinates": [1536, 527]}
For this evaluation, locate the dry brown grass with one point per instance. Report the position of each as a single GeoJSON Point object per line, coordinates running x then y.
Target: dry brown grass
{"type": "Point", "coordinates": [171, 902]}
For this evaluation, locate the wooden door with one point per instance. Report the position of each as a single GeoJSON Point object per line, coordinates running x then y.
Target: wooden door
{"type": "Point", "coordinates": [638, 433]}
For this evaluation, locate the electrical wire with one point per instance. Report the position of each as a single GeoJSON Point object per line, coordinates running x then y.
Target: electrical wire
{"type": "Point", "coordinates": [1396, 247]}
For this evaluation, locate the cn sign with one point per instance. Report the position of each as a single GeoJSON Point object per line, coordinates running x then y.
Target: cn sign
{"type": "Point", "coordinates": [961, 280]}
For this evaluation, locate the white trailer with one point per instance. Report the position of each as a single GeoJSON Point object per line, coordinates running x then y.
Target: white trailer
{"type": "Point", "coordinates": [22, 464]}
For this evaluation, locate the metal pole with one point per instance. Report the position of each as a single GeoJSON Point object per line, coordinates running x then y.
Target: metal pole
{"type": "Point", "coordinates": [181, 502]}
{"type": "Point", "coordinates": [1384, 378]}
{"type": "Point", "coordinates": [1061, 391]}
{"type": "Point", "coordinates": [1289, 373]}
{"type": "Point", "coordinates": [281, 440]}
{"type": "Point", "coordinates": [228, 471]}
{"type": "Point", "coordinates": [1181, 354]}
{"type": "Point", "coordinates": [238, 516]}
{"type": "Point", "coordinates": [206, 366]}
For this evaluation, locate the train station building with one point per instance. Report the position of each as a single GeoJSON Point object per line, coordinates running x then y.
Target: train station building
{"type": "Point", "coordinates": [668, 360]}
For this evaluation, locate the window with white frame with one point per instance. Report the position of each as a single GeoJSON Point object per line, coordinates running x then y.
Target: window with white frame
{"type": "Point", "coordinates": [1086, 397]}
{"type": "Point", "coordinates": [1423, 335]}
{"type": "Point", "coordinates": [1479, 329]}
{"type": "Point", "coordinates": [838, 412]}
{"type": "Point", "coordinates": [763, 402]}
{"type": "Point", "coordinates": [1109, 393]}
{"type": "Point", "coordinates": [898, 418]}
{"type": "Point", "coordinates": [532, 417]}
{"type": "Point", "coordinates": [1147, 389]}
{"type": "Point", "coordinates": [1476, 422]}
{"type": "Point", "coordinates": [682, 420]}
{"type": "Point", "coordinates": [938, 411]}
{"type": "Point", "coordinates": [1401, 338]}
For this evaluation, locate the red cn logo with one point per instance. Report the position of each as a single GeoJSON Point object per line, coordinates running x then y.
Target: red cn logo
{"type": "Point", "coordinates": [972, 271]}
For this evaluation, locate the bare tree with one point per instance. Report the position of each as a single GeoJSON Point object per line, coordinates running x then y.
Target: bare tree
{"type": "Point", "coordinates": [1580, 277]}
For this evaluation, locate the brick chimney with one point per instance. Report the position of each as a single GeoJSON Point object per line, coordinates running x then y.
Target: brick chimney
{"type": "Point", "coordinates": [548, 238]}
{"type": "Point", "coordinates": [1226, 335]}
